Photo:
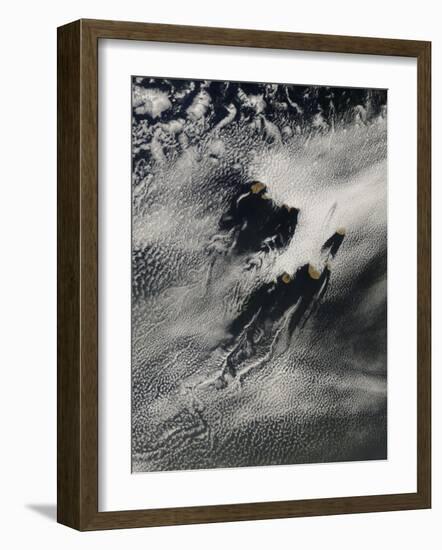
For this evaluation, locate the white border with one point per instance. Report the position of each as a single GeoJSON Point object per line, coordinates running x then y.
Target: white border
{"type": "Point", "coordinates": [118, 488]}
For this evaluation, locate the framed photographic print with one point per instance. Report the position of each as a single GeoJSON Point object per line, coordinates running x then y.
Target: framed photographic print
{"type": "Point", "coordinates": [243, 275]}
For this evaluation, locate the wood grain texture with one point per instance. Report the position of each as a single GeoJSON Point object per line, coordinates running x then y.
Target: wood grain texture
{"type": "Point", "coordinates": [78, 274]}
{"type": "Point", "coordinates": [424, 274]}
{"type": "Point", "coordinates": [253, 38]}
{"type": "Point", "coordinates": [68, 276]}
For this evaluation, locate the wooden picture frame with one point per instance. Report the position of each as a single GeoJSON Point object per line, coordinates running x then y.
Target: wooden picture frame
{"type": "Point", "coordinates": [78, 274]}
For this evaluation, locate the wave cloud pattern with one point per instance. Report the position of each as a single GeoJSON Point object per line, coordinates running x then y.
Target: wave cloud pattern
{"type": "Point", "coordinates": [259, 274]}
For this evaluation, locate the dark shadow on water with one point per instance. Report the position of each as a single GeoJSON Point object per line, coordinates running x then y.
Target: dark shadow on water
{"type": "Point", "coordinates": [48, 511]}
